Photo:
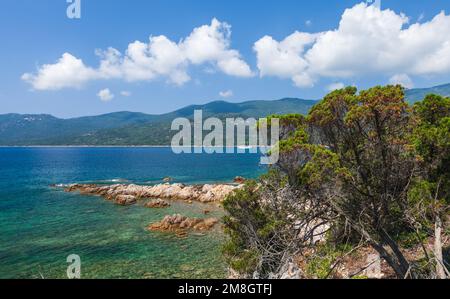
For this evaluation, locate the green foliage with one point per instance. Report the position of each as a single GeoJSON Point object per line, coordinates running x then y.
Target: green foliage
{"type": "Point", "coordinates": [293, 119]}
{"type": "Point", "coordinates": [432, 109]}
{"type": "Point", "coordinates": [432, 143]}
{"type": "Point", "coordinates": [422, 196]}
{"type": "Point", "coordinates": [298, 139]}
{"type": "Point", "coordinates": [366, 135]}
{"type": "Point", "coordinates": [274, 175]}
{"type": "Point", "coordinates": [321, 264]}
{"type": "Point", "coordinates": [432, 134]}
{"type": "Point", "coordinates": [359, 277]}
{"type": "Point", "coordinates": [411, 239]}
{"type": "Point", "coordinates": [322, 167]}
{"type": "Point", "coordinates": [367, 161]}
{"type": "Point", "coordinates": [249, 223]}
{"type": "Point", "coordinates": [242, 260]}
{"type": "Point", "coordinates": [332, 107]}
{"type": "Point", "coordinates": [377, 103]}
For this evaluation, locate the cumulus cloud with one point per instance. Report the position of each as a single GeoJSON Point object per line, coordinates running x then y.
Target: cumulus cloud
{"type": "Point", "coordinates": [226, 94]}
{"type": "Point", "coordinates": [160, 57]}
{"type": "Point", "coordinates": [211, 43]}
{"type": "Point", "coordinates": [402, 79]}
{"type": "Point", "coordinates": [105, 95]}
{"type": "Point", "coordinates": [68, 71]}
{"type": "Point", "coordinates": [285, 59]}
{"type": "Point", "coordinates": [125, 93]}
{"type": "Point", "coordinates": [367, 41]}
{"type": "Point", "coordinates": [335, 86]}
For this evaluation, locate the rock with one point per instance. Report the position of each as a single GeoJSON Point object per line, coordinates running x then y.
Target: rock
{"type": "Point", "coordinates": [206, 212]}
{"type": "Point", "coordinates": [239, 180]}
{"type": "Point", "coordinates": [373, 270]}
{"type": "Point", "coordinates": [206, 224]}
{"type": "Point", "coordinates": [177, 223]}
{"type": "Point", "coordinates": [232, 274]}
{"type": "Point", "coordinates": [289, 270]}
{"type": "Point", "coordinates": [125, 200]}
{"type": "Point", "coordinates": [157, 204]}
{"type": "Point", "coordinates": [167, 180]}
{"type": "Point", "coordinates": [201, 193]}
{"type": "Point", "coordinates": [292, 272]}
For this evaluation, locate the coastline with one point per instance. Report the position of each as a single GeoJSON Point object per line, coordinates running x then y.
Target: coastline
{"type": "Point", "coordinates": [84, 146]}
{"type": "Point", "coordinates": [94, 228]}
{"type": "Point", "coordinates": [107, 146]}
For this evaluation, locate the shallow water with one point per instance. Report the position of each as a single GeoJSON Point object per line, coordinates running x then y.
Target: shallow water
{"type": "Point", "coordinates": [40, 226]}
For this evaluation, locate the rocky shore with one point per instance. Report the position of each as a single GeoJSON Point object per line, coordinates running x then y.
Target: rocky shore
{"type": "Point", "coordinates": [158, 196]}
{"type": "Point", "coordinates": [129, 194]}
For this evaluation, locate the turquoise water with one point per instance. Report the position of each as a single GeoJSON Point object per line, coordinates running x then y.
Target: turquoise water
{"type": "Point", "coordinates": [40, 226]}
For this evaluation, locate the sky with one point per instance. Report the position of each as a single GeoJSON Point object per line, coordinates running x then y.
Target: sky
{"type": "Point", "coordinates": [155, 56]}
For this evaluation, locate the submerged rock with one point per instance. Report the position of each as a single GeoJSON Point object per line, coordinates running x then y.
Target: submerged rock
{"type": "Point", "coordinates": [177, 222]}
{"type": "Point", "coordinates": [157, 203]}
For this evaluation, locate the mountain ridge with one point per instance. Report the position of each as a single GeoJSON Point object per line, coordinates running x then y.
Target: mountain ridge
{"type": "Point", "coordinates": [418, 94]}
{"type": "Point", "coordinates": [126, 128]}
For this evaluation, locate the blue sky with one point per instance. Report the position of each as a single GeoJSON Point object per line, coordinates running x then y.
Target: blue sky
{"type": "Point", "coordinates": [38, 33]}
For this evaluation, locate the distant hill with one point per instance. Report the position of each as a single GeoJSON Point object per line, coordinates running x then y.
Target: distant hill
{"type": "Point", "coordinates": [131, 128]}
{"type": "Point", "coordinates": [415, 95]}
{"type": "Point", "coordinates": [16, 129]}
{"type": "Point", "coordinates": [249, 109]}
{"type": "Point", "coordinates": [128, 128]}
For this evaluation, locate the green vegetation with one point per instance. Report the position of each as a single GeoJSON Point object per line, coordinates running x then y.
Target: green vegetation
{"type": "Point", "coordinates": [254, 226]}
{"type": "Point", "coordinates": [361, 168]}
{"type": "Point", "coordinates": [325, 258]}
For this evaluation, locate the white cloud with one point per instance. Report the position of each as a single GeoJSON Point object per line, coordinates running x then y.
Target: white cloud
{"type": "Point", "coordinates": [403, 80]}
{"type": "Point", "coordinates": [335, 86]}
{"type": "Point", "coordinates": [368, 41]}
{"type": "Point", "coordinates": [68, 71]}
{"type": "Point", "coordinates": [125, 93]}
{"type": "Point", "coordinates": [285, 59]}
{"type": "Point", "coordinates": [145, 61]}
{"type": "Point", "coordinates": [226, 94]}
{"type": "Point", "coordinates": [211, 43]}
{"type": "Point", "coordinates": [376, 3]}
{"type": "Point", "coordinates": [308, 23]}
{"type": "Point", "coordinates": [105, 95]}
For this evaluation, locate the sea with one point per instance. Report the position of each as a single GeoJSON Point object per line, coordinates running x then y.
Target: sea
{"type": "Point", "coordinates": [41, 226]}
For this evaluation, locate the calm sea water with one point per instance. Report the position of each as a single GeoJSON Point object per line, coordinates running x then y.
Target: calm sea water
{"type": "Point", "coordinates": [40, 226]}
